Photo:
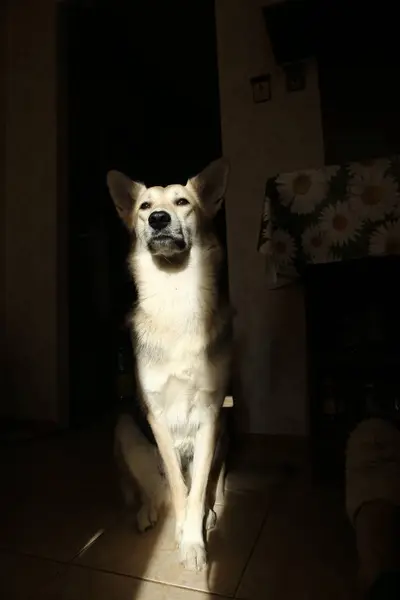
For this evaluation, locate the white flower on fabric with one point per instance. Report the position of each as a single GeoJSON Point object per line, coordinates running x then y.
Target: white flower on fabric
{"type": "Point", "coordinates": [364, 168]}
{"type": "Point", "coordinates": [372, 195]}
{"type": "Point", "coordinates": [316, 244]}
{"type": "Point", "coordinates": [385, 240]}
{"type": "Point", "coordinates": [303, 190]}
{"type": "Point", "coordinates": [339, 223]}
{"type": "Point", "coordinates": [283, 247]}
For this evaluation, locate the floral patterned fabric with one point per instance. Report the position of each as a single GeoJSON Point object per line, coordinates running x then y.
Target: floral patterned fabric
{"type": "Point", "coordinates": [330, 214]}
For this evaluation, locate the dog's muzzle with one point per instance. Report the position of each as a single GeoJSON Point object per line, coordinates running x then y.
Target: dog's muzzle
{"type": "Point", "coordinates": [164, 238]}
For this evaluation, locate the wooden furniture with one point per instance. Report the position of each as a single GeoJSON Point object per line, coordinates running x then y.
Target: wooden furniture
{"type": "Point", "coordinates": [353, 338]}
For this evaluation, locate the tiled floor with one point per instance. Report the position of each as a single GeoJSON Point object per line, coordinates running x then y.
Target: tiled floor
{"type": "Point", "coordinates": [277, 537]}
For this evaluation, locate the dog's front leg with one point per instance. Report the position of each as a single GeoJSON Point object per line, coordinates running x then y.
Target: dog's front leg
{"type": "Point", "coordinates": [192, 548]}
{"type": "Point", "coordinates": [173, 470]}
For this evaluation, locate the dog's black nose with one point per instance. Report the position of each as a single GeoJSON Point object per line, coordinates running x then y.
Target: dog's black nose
{"type": "Point", "coordinates": [159, 219]}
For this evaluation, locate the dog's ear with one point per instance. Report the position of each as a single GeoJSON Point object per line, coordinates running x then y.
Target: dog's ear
{"type": "Point", "coordinates": [210, 185]}
{"type": "Point", "coordinates": [124, 193]}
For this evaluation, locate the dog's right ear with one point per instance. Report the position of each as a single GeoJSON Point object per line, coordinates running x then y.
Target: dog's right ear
{"type": "Point", "coordinates": [124, 193]}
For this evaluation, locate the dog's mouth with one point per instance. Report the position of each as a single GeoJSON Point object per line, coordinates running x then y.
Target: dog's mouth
{"type": "Point", "coordinates": [167, 244]}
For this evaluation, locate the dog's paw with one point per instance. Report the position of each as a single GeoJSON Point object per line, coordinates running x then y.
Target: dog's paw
{"type": "Point", "coordinates": [211, 519]}
{"type": "Point", "coordinates": [193, 555]}
{"type": "Point", "coordinates": [146, 517]}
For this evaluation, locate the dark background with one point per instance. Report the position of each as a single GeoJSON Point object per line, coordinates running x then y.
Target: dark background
{"type": "Point", "coordinates": [356, 47]}
{"type": "Point", "coordinates": [142, 97]}
{"type": "Point", "coordinates": [141, 82]}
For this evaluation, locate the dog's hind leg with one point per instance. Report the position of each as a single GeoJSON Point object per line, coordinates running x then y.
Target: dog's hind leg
{"type": "Point", "coordinates": [212, 497]}
{"type": "Point", "coordinates": [216, 483]}
{"type": "Point", "coordinates": [215, 495]}
{"type": "Point", "coordinates": [141, 460]}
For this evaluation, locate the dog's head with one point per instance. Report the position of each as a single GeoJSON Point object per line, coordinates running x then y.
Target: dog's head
{"type": "Point", "coordinates": [167, 220]}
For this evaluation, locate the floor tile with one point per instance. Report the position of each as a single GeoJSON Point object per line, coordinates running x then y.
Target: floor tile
{"type": "Point", "coordinates": [61, 492]}
{"type": "Point", "coordinates": [244, 479]}
{"type": "Point", "coordinates": [21, 577]}
{"type": "Point", "coordinates": [153, 556]}
{"type": "Point", "coordinates": [57, 531]}
{"type": "Point", "coordinates": [259, 464]}
{"type": "Point", "coordinates": [305, 551]}
{"type": "Point", "coordinates": [86, 584]}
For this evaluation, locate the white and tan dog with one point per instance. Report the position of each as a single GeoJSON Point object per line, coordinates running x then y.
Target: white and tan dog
{"type": "Point", "coordinates": [181, 331]}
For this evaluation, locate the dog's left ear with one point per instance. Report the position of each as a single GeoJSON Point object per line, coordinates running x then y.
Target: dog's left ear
{"type": "Point", "coordinates": [210, 185]}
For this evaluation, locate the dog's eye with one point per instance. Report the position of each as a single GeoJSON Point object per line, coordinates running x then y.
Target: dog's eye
{"type": "Point", "coordinates": [145, 206]}
{"type": "Point", "coordinates": [181, 202]}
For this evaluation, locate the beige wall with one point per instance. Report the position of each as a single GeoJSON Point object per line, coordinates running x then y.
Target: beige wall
{"type": "Point", "coordinates": [261, 140]}
{"type": "Point", "coordinates": [30, 219]}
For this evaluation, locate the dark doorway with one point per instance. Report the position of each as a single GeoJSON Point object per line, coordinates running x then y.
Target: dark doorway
{"type": "Point", "coordinates": [143, 98]}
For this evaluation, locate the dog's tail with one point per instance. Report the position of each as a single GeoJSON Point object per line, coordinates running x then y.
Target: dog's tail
{"type": "Point", "coordinates": [139, 459]}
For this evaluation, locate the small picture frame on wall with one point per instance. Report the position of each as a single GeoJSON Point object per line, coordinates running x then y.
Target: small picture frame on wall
{"type": "Point", "coordinates": [261, 88]}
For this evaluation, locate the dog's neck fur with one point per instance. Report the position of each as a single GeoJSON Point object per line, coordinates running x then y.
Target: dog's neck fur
{"type": "Point", "coordinates": [176, 293]}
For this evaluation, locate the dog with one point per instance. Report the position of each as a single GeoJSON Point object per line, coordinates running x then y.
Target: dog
{"type": "Point", "coordinates": [181, 335]}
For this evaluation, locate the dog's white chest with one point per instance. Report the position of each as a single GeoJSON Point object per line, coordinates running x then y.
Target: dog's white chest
{"type": "Point", "coordinates": [180, 388]}
{"type": "Point", "coordinates": [177, 378]}
{"type": "Point", "coordinates": [174, 332]}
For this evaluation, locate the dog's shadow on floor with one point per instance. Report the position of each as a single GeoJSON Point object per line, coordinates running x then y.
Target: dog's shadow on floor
{"type": "Point", "coordinates": [240, 519]}
{"type": "Point", "coordinates": [65, 536]}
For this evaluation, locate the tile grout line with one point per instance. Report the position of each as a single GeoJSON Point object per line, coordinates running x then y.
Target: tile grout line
{"type": "Point", "coordinates": [145, 580]}
{"type": "Point", "coordinates": [70, 564]}
{"type": "Point", "coordinates": [59, 561]}
{"type": "Point", "coordinates": [258, 536]}
{"type": "Point", "coordinates": [16, 552]}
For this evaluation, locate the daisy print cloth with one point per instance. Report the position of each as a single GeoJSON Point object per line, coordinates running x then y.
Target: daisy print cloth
{"type": "Point", "coordinates": [330, 214]}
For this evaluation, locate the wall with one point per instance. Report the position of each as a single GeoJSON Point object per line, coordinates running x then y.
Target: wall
{"type": "Point", "coordinates": [356, 125]}
{"type": "Point", "coordinates": [261, 140]}
{"type": "Point", "coordinates": [30, 218]}
{"type": "Point", "coordinates": [3, 64]}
